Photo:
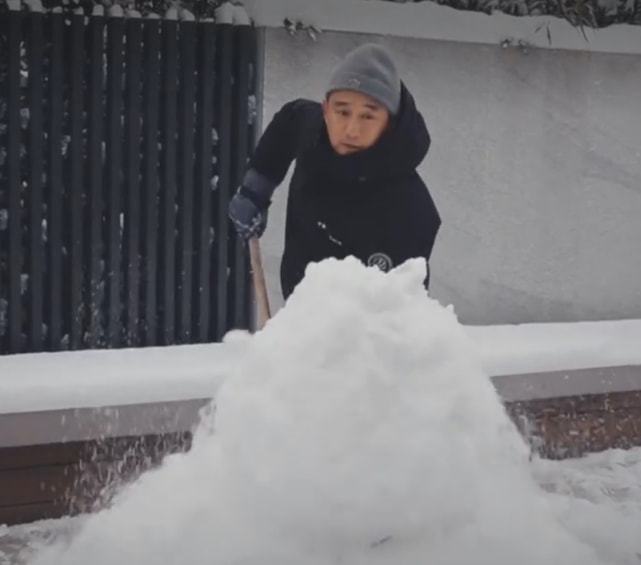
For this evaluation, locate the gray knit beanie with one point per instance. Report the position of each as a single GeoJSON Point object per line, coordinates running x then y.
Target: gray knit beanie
{"type": "Point", "coordinates": [369, 69]}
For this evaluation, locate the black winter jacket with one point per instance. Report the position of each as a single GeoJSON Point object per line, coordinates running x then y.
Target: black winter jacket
{"type": "Point", "coordinates": [371, 204]}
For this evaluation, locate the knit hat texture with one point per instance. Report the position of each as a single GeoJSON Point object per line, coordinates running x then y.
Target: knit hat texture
{"type": "Point", "coordinates": [369, 69]}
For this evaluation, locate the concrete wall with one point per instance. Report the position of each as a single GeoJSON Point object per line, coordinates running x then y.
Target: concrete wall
{"type": "Point", "coordinates": [535, 166]}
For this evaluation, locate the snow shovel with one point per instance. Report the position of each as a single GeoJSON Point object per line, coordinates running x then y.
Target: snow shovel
{"type": "Point", "coordinates": [260, 288]}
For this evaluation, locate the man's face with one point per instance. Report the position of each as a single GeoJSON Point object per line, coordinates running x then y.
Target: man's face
{"type": "Point", "coordinates": [354, 121]}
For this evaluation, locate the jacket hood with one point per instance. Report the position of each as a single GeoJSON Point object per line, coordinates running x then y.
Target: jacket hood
{"type": "Point", "coordinates": [399, 151]}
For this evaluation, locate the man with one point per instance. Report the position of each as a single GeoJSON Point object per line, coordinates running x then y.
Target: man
{"type": "Point", "coordinates": [355, 190]}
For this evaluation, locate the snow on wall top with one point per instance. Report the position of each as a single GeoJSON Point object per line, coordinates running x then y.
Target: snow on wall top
{"type": "Point", "coordinates": [429, 20]}
{"type": "Point", "coordinates": [160, 374]}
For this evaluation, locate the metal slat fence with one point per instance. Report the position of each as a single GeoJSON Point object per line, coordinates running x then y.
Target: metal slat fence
{"type": "Point", "coordinates": [121, 141]}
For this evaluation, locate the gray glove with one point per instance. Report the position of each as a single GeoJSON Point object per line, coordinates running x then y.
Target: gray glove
{"type": "Point", "coordinates": [248, 208]}
{"type": "Point", "coordinates": [248, 218]}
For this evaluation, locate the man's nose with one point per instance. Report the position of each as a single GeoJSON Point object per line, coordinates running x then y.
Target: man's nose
{"type": "Point", "coordinates": [353, 128]}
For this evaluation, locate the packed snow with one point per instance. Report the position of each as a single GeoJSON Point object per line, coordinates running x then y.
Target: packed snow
{"type": "Point", "coordinates": [360, 427]}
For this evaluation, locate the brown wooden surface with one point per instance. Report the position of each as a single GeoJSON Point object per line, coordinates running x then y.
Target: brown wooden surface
{"type": "Point", "coordinates": [50, 454]}
{"type": "Point", "coordinates": [573, 426]}
{"type": "Point", "coordinates": [25, 513]}
{"type": "Point", "coordinates": [108, 449]}
{"type": "Point", "coordinates": [50, 481]}
{"type": "Point", "coordinates": [34, 484]}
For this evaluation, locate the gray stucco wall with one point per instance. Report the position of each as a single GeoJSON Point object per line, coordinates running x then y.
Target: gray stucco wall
{"type": "Point", "coordinates": [535, 166]}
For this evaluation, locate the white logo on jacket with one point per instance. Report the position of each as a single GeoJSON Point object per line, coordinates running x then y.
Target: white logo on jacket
{"type": "Point", "coordinates": [380, 260]}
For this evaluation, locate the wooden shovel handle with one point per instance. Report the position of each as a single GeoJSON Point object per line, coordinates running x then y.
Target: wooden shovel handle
{"type": "Point", "coordinates": [263, 312]}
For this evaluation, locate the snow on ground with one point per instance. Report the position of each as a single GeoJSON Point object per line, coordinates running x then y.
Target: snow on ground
{"type": "Point", "coordinates": [430, 20]}
{"type": "Point", "coordinates": [363, 432]}
{"type": "Point", "coordinates": [18, 544]}
{"type": "Point", "coordinates": [597, 497]}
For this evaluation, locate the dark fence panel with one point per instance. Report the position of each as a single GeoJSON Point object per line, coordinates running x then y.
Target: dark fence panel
{"type": "Point", "coordinates": [223, 126]}
{"type": "Point", "coordinates": [151, 179]}
{"type": "Point", "coordinates": [124, 140]}
{"type": "Point", "coordinates": [206, 162]}
{"type": "Point", "coordinates": [169, 97]}
{"type": "Point", "coordinates": [133, 123]}
{"type": "Point", "coordinates": [244, 45]}
{"type": "Point", "coordinates": [186, 181]}
{"type": "Point", "coordinates": [114, 181]}
{"type": "Point", "coordinates": [14, 184]}
{"type": "Point", "coordinates": [35, 154]}
{"type": "Point", "coordinates": [76, 184]}
{"type": "Point", "coordinates": [96, 145]}
{"type": "Point", "coordinates": [56, 194]}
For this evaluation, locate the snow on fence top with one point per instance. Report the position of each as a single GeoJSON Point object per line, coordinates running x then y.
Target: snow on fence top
{"type": "Point", "coordinates": [429, 20]}
{"type": "Point", "coordinates": [225, 13]}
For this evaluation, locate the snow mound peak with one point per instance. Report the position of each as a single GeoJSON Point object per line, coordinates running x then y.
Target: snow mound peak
{"type": "Point", "coordinates": [360, 418]}
{"type": "Point", "coordinates": [356, 403]}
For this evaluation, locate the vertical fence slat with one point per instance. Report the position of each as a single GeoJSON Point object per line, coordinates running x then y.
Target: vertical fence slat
{"type": "Point", "coordinates": [77, 268]}
{"type": "Point", "coordinates": [35, 153]}
{"type": "Point", "coordinates": [132, 180]}
{"type": "Point", "coordinates": [240, 287]}
{"type": "Point", "coordinates": [186, 181]}
{"type": "Point", "coordinates": [113, 173]}
{"type": "Point", "coordinates": [203, 180]}
{"type": "Point", "coordinates": [95, 163]}
{"type": "Point", "coordinates": [168, 190]}
{"type": "Point", "coordinates": [55, 196]}
{"type": "Point", "coordinates": [224, 97]}
{"type": "Point", "coordinates": [4, 242]}
{"type": "Point", "coordinates": [15, 21]}
{"type": "Point", "coordinates": [151, 96]}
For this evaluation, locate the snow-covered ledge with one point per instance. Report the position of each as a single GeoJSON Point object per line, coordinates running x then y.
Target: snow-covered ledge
{"type": "Point", "coordinates": [520, 349]}
{"type": "Point", "coordinates": [92, 395]}
{"type": "Point", "coordinates": [87, 395]}
{"type": "Point", "coordinates": [38, 382]}
{"type": "Point", "coordinates": [429, 20]}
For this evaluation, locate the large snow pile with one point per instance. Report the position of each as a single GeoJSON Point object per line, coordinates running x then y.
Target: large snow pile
{"type": "Point", "coordinates": [357, 427]}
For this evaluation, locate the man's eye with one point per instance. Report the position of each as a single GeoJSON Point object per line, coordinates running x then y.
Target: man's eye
{"type": "Point", "coordinates": [368, 117]}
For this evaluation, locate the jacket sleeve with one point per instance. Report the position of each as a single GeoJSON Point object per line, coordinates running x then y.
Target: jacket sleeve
{"type": "Point", "coordinates": [278, 145]}
{"type": "Point", "coordinates": [426, 222]}
{"type": "Point", "coordinates": [432, 227]}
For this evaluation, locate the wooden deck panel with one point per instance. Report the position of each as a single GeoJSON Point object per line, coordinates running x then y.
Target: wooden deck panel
{"type": "Point", "coordinates": [23, 514]}
{"type": "Point", "coordinates": [19, 457]}
{"type": "Point", "coordinates": [573, 426]}
{"type": "Point", "coordinates": [54, 480]}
